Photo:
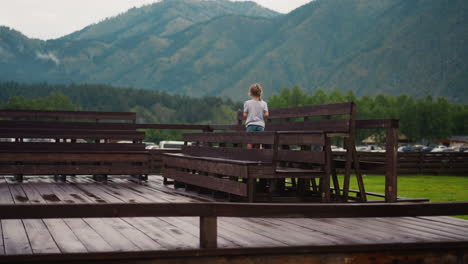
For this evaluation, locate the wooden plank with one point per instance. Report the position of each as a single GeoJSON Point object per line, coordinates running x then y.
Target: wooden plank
{"type": "Point", "coordinates": [92, 241]}
{"type": "Point", "coordinates": [73, 169]}
{"type": "Point", "coordinates": [310, 110]}
{"type": "Point", "coordinates": [449, 220]}
{"type": "Point", "coordinates": [315, 157]}
{"type": "Point", "coordinates": [263, 155]}
{"type": "Point", "coordinates": [17, 193]}
{"type": "Point", "coordinates": [247, 239]}
{"type": "Point", "coordinates": [5, 195]}
{"type": "Point", "coordinates": [92, 115]}
{"type": "Point", "coordinates": [2, 246]}
{"type": "Point", "coordinates": [113, 237]}
{"type": "Point", "coordinates": [449, 229]}
{"type": "Point", "coordinates": [440, 235]}
{"type": "Point", "coordinates": [69, 133]}
{"type": "Point", "coordinates": [213, 159]}
{"type": "Point", "coordinates": [336, 232]}
{"type": "Point", "coordinates": [311, 233]}
{"type": "Point", "coordinates": [209, 182]}
{"type": "Point", "coordinates": [8, 211]}
{"type": "Point", "coordinates": [8, 149]}
{"type": "Point", "coordinates": [449, 253]}
{"type": "Point", "coordinates": [228, 169]}
{"type": "Point", "coordinates": [404, 234]}
{"type": "Point", "coordinates": [301, 138]}
{"type": "Point", "coordinates": [173, 126]}
{"type": "Point", "coordinates": [231, 137]}
{"type": "Point", "coordinates": [328, 126]}
{"type": "Point", "coordinates": [15, 238]}
{"type": "Point", "coordinates": [72, 157]}
{"type": "Point", "coordinates": [63, 236]}
{"type": "Point", "coordinates": [165, 234]}
{"type": "Point", "coordinates": [275, 232]}
{"type": "Point", "coordinates": [67, 125]}
{"type": "Point", "coordinates": [140, 239]}
{"type": "Point", "coordinates": [39, 237]}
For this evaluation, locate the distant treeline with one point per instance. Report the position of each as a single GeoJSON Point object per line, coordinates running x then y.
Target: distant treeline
{"type": "Point", "coordinates": [420, 118]}
{"type": "Point", "coordinates": [151, 106]}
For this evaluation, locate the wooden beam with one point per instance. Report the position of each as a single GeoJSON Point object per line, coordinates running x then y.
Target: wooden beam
{"type": "Point", "coordinates": [208, 232]}
{"type": "Point", "coordinates": [68, 114]}
{"type": "Point", "coordinates": [248, 254]}
{"type": "Point", "coordinates": [391, 165]}
{"type": "Point", "coordinates": [19, 211]}
{"type": "Point", "coordinates": [173, 126]}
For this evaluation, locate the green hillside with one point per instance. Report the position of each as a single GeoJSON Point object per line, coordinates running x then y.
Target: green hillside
{"type": "Point", "coordinates": [197, 48]}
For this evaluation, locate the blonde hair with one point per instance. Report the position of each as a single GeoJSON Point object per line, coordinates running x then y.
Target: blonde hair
{"type": "Point", "coordinates": [256, 90]}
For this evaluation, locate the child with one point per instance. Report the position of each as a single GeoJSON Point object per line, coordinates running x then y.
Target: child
{"type": "Point", "coordinates": [255, 109]}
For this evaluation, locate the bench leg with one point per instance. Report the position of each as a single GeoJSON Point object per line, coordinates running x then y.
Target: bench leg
{"type": "Point", "coordinates": [325, 183]}
{"type": "Point", "coordinates": [336, 183]}
{"type": "Point", "coordinates": [61, 177]}
{"type": "Point", "coordinates": [100, 178]}
{"type": "Point", "coordinates": [314, 185]}
{"type": "Point", "coordinates": [251, 189]}
{"type": "Point", "coordinates": [360, 181]}
{"type": "Point", "coordinates": [19, 177]}
{"type": "Point", "coordinates": [347, 174]}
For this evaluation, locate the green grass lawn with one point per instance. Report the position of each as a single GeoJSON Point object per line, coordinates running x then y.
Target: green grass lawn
{"type": "Point", "coordinates": [435, 188]}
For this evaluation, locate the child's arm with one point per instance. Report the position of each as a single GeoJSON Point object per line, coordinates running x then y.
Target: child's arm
{"type": "Point", "coordinates": [246, 110]}
{"type": "Point", "coordinates": [265, 111]}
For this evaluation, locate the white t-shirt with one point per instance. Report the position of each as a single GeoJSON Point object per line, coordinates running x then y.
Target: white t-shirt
{"type": "Point", "coordinates": [255, 110]}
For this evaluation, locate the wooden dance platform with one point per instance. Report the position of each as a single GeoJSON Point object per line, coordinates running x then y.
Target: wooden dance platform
{"type": "Point", "coordinates": [436, 239]}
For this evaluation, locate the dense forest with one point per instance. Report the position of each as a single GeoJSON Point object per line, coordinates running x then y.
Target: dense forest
{"type": "Point", "coordinates": [424, 118]}
{"type": "Point", "coordinates": [421, 119]}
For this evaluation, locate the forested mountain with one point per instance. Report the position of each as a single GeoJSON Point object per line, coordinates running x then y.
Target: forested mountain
{"type": "Point", "coordinates": [219, 47]}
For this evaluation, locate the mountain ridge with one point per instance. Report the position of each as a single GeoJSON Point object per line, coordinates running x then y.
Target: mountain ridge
{"type": "Point", "coordinates": [390, 46]}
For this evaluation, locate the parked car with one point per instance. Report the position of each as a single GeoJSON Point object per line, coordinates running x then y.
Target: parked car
{"type": "Point", "coordinates": [427, 149]}
{"type": "Point", "coordinates": [172, 144]}
{"type": "Point", "coordinates": [337, 149]}
{"type": "Point", "coordinates": [439, 148]}
{"type": "Point", "coordinates": [151, 145]}
{"type": "Point", "coordinates": [450, 149]}
{"type": "Point", "coordinates": [407, 148]}
{"type": "Point", "coordinates": [463, 149]}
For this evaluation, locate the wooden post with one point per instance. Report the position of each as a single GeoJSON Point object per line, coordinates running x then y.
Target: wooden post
{"type": "Point", "coordinates": [325, 182]}
{"type": "Point", "coordinates": [391, 165]}
{"type": "Point", "coordinates": [208, 232]}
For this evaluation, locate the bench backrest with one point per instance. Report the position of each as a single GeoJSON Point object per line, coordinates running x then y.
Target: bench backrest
{"type": "Point", "coordinates": [232, 146]}
{"type": "Point", "coordinates": [332, 118]}
{"type": "Point", "coordinates": [73, 115]}
{"type": "Point", "coordinates": [60, 131]}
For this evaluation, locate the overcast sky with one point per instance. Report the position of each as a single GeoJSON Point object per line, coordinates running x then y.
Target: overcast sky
{"type": "Point", "coordinates": [47, 19]}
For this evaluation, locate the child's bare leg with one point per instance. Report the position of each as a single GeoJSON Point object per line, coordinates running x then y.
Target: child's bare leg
{"type": "Point", "coordinates": [249, 146]}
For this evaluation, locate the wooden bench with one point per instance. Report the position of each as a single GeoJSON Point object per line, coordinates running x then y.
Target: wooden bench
{"type": "Point", "coordinates": [308, 131]}
{"type": "Point", "coordinates": [221, 161]}
{"type": "Point", "coordinates": [64, 143]}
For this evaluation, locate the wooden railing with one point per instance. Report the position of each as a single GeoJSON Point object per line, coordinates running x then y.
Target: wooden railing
{"type": "Point", "coordinates": [433, 163]}
{"type": "Point", "coordinates": [209, 212]}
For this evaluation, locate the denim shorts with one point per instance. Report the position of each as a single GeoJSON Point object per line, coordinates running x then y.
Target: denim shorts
{"type": "Point", "coordinates": [255, 128]}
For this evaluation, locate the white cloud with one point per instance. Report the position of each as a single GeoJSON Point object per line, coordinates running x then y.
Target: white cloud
{"type": "Point", "coordinates": [47, 56]}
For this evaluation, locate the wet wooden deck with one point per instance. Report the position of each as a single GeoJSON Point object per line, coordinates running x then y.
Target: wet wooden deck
{"type": "Point", "coordinates": [87, 235]}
